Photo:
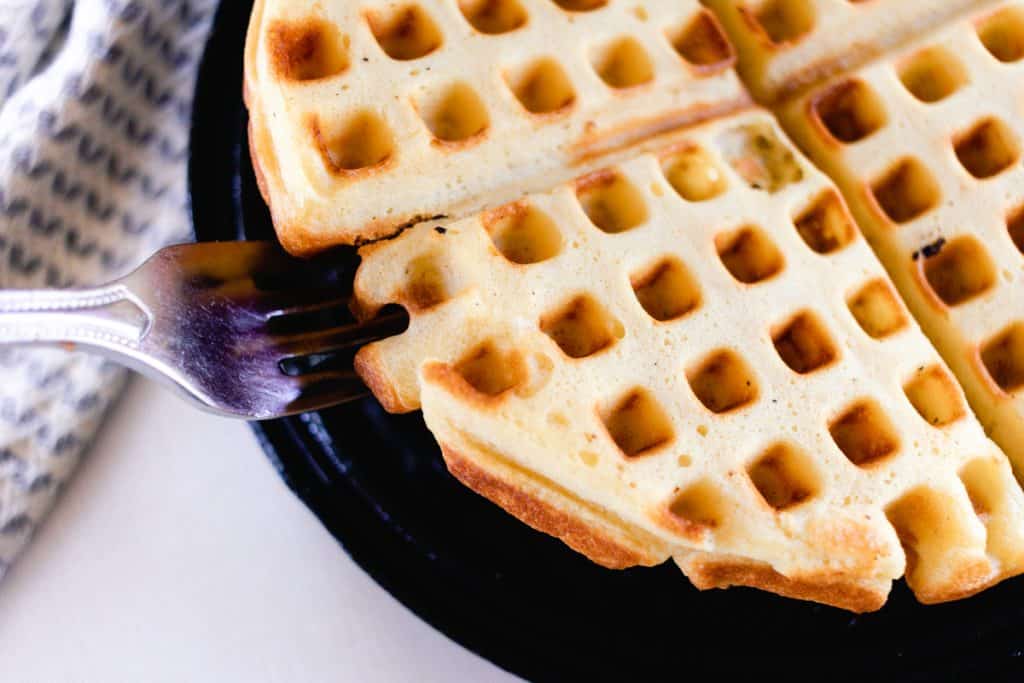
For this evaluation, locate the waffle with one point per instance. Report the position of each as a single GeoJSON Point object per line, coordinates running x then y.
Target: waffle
{"type": "Point", "coordinates": [785, 45]}
{"type": "Point", "coordinates": [926, 146]}
{"type": "Point", "coordinates": [368, 116]}
{"type": "Point", "coordinates": [693, 355]}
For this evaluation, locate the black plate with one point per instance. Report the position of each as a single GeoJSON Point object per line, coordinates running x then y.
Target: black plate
{"type": "Point", "coordinates": [521, 598]}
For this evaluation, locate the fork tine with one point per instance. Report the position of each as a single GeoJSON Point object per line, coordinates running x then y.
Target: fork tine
{"type": "Point", "coordinates": [340, 338]}
{"type": "Point", "coordinates": [272, 304]}
{"type": "Point", "coordinates": [286, 302]}
{"type": "Point", "coordinates": [321, 389]}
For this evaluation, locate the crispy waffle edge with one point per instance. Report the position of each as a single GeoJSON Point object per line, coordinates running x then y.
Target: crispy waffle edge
{"type": "Point", "coordinates": [708, 571]}
{"type": "Point", "coordinates": [544, 507]}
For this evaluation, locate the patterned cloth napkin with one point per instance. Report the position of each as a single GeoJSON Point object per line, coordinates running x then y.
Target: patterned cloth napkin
{"type": "Point", "coordinates": [95, 103]}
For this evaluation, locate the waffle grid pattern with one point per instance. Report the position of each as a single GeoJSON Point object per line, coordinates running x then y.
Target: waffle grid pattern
{"type": "Point", "coordinates": [926, 146]}
{"type": "Point", "coordinates": [609, 365]}
{"type": "Point", "coordinates": [786, 45]}
{"type": "Point", "coordinates": [351, 101]}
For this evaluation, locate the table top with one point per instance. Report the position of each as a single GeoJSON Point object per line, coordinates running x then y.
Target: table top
{"type": "Point", "coordinates": [176, 553]}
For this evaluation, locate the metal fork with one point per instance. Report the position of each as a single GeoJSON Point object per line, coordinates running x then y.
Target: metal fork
{"type": "Point", "coordinates": [237, 327]}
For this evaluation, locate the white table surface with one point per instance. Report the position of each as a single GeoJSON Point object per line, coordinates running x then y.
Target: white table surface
{"type": "Point", "coordinates": [177, 554]}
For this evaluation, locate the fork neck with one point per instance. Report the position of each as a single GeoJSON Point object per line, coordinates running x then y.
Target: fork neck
{"type": "Point", "coordinates": [107, 319]}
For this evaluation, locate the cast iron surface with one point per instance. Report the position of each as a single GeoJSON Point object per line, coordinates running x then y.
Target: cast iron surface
{"type": "Point", "coordinates": [518, 597]}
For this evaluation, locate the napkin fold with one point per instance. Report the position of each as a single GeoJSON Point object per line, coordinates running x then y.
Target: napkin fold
{"type": "Point", "coordinates": [95, 109]}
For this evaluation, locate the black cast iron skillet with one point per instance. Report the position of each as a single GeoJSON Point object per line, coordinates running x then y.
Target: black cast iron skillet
{"type": "Point", "coordinates": [518, 597]}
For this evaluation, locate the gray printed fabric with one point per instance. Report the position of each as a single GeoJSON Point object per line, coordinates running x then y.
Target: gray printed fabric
{"type": "Point", "coordinates": [95, 102]}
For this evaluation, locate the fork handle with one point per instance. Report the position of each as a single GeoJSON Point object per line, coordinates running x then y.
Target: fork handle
{"type": "Point", "coordinates": [107, 319]}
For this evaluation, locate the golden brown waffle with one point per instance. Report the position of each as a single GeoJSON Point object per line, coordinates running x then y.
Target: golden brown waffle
{"type": "Point", "coordinates": [367, 116]}
{"type": "Point", "coordinates": [785, 45]}
{"type": "Point", "coordinates": [926, 145]}
{"type": "Point", "coordinates": [692, 354]}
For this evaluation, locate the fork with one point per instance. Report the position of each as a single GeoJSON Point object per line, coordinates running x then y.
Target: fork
{"type": "Point", "coordinates": [240, 328]}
